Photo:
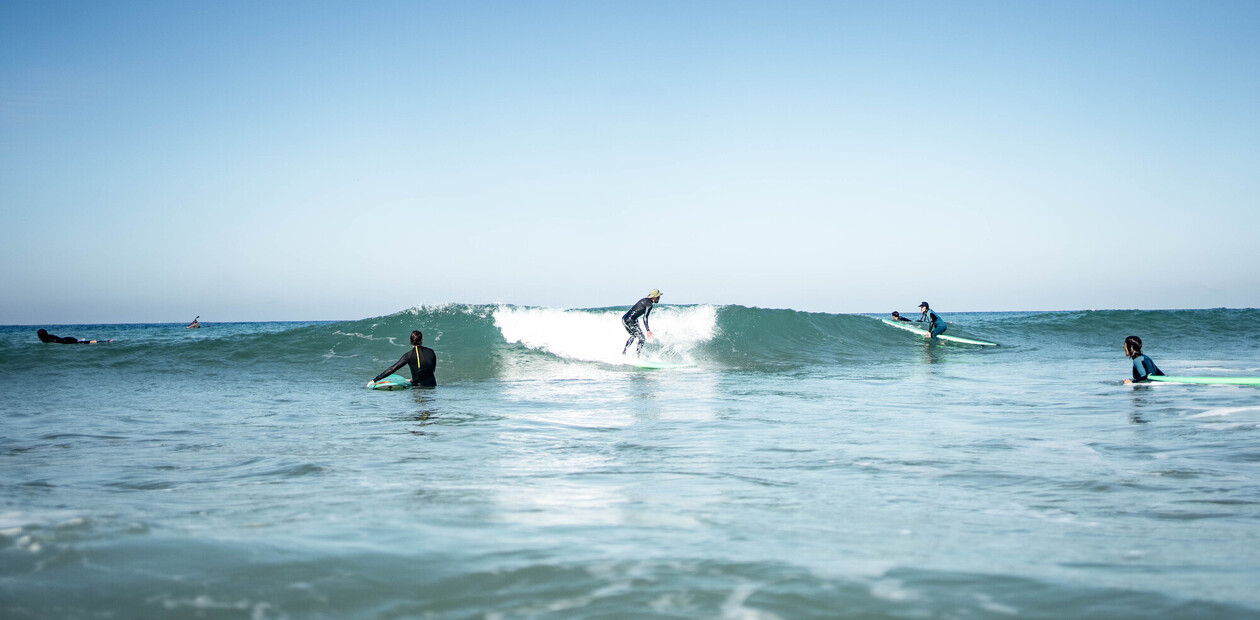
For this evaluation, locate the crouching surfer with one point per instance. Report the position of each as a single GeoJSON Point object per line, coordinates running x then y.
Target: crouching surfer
{"type": "Point", "coordinates": [1143, 366]}
{"type": "Point", "coordinates": [643, 308]}
{"type": "Point", "coordinates": [421, 359]}
{"type": "Point", "coordinates": [936, 325]}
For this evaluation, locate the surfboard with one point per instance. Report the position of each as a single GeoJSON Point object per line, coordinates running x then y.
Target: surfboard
{"type": "Point", "coordinates": [392, 382]}
{"type": "Point", "coordinates": [924, 333]}
{"type": "Point", "coordinates": [1206, 380]}
{"type": "Point", "coordinates": [651, 364]}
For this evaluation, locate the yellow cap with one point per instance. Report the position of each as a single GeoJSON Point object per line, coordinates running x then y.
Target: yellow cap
{"type": "Point", "coordinates": [654, 293]}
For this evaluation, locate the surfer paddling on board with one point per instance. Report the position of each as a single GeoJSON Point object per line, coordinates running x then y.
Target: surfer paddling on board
{"type": "Point", "coordinates": [936, 325]}
{"type": "Point", "coordinates": [631, 320]}
{"type": "Point", "coordinates": [44, 336]}
{"type": "Point", "coordinates": [897, 317]}
{"type": "Point", "coordinates": [1143, 367]}
{"type": "Point", "coordinates": [421, 359]}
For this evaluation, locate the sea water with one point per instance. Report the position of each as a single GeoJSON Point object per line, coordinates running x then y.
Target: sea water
{"type": "Point", "coordinates": [809, 465]}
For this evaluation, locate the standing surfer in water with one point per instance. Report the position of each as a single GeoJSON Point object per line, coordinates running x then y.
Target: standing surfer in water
{"type": "Point", "coordinates": [631, 320]}
{"type": "Point", "coordinates": [1143, 367]}
{"type": "Point", "coordinates": [936, 325]}
{"type": "Point", "coordinates": [421, 359]}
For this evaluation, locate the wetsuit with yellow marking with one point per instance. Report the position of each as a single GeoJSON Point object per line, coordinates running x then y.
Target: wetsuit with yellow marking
{"type": "Point", "coordinates": [422, 361]}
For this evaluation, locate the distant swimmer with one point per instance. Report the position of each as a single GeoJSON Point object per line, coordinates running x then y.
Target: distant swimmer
{"type": "Point", "coordinates": [194, 324]}
{"type": "Point", "coordinates": [897, 317]}
{"type": "Point", "coordinates": [44, 336]}
{"type": "Point", "coordinates": [421, 359]}
{"type": "Point", "coordinates": [631, 320]}
{"type": "Point", "coordinates": [1143, 367]}
{"type": "Point", "coordinates": [936, 325]}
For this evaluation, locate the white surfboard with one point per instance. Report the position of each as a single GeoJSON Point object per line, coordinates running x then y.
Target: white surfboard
{"type": "Point", "coordinates": [923, 332]}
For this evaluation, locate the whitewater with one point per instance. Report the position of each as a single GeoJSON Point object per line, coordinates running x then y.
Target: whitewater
{"type": "Point", "coordinates": [803, 465]}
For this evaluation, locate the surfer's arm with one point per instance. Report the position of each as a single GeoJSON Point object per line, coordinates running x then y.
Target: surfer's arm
{"type": "Point", "coordinates": [392, 369]}
{"type": "Point", "coordinates": [645, 319]}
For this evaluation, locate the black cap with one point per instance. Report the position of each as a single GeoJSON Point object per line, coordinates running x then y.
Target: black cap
{"type": "Point", "coordinates": [923, 304]}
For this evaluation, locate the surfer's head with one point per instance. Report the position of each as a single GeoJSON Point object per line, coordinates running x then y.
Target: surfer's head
{"type": "Point", "coordinates": [1133, 346]}
{"type": "Point", "coordinates": [896, 315]}
{"type": "Point", "coordinates": [923, 304]}
{"type": "Point", "coordinates": [654, 295]}
{"type": "Point", "coordinates": [416, 338]}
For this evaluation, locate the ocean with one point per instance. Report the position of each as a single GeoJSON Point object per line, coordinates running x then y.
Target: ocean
{"type": "Point", "coordinates": [809, 465]}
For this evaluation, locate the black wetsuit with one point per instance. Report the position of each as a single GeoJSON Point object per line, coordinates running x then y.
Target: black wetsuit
{"type": "Point", "coordinates": [421, 370]}
{"type": "Point", "coordinates": [631, 321]}
{"type": "Point", "coordinates": [47, 337]}
{"type": "Point", "coordinates": [1144, 367]}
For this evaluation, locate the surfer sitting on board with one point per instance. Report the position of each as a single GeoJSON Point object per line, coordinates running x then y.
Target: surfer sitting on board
{"type": "Point", "coordinates": [422, 361]}
{"type": "Point", "coordinates": [44, 336]}
{"type": "Point", "coordinates": [631, 320]}
{"type": "Point", "coordinates": [897, 317]}
{"type": "Point", "coordinates": [1143, 367]}
{"type": "Point", "coordinates": [936, 325]}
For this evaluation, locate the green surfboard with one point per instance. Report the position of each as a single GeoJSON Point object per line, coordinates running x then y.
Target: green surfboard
{"type": "Point", "coordinates": [651, 364]}
{"type": "Point", "coordinates": [390, 383]}
{"type": "Point", "coordinates": [923, 332]}
{"type": "Point", "coordinates": [1206, 380]}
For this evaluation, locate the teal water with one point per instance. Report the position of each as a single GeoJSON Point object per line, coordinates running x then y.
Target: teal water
{"type": "Point", "coordinates": [808, 466]}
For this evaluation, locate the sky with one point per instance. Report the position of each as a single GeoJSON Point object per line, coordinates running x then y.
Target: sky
{"type": "Point", "coordinates": [250, 161]}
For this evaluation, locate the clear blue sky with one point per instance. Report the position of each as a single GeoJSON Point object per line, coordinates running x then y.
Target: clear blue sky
{"type": "Point", "coordinates": [306, 160]}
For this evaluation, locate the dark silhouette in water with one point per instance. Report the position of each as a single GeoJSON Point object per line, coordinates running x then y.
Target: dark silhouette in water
{"type": "Point", "coordinates": [44, 336]}
{"type": "Point", "coordinates": [422, 361]}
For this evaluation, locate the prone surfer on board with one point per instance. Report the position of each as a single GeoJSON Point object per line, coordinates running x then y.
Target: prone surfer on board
{"type": "Point", "coordinates": [44, 336]}
{"type": "Point", "coordinates": [421, 359]}
{"type": "Point", "coordinates": [897, 317]}
{"type": "Point", "coordinates": [631, 320]}
{"type": "Point", "coordinates": [1143, 366]}
{"type": "Point", "coordinates": [936, 325]}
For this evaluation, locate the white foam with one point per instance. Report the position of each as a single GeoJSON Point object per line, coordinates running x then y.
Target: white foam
{"type": "Point", "coordinates": [16, 521]}
{"type": "Point", "coordinates": [734, 607]}
{"type": "Point", "coordinates": [598, 336]}
{"type": "Point", "coordinates": [892, 590]}
{"type": "Point", "coordinates": [1225, 412]}
{"type": "Point", "coordinates": [987, 603]}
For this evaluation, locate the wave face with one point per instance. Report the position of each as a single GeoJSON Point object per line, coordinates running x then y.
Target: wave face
{"type": "Point", "coordinates": [809, 465]}
{"type": "Point", "coordinates": [476, 342]}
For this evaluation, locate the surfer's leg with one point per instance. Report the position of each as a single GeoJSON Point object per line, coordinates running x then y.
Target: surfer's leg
{"type": "Point", "coordinates": [633, 328]}
{"type": "Point", "coordinates": [940, 329]}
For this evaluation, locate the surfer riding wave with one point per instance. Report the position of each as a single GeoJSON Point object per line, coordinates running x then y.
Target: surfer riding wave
{"type": "Point", "coordinates": [643, 308]}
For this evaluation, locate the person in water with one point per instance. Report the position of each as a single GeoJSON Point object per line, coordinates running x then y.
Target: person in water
{"type": "Point", "coordinates": [421, 359]}
{"type": "Point", "coordinates": [1143, 367]}
{"type": "Point", "coordinates": [194, 324]}
{"type": "Point", "coordinates": [897, 317]}
{"type": "Point", "coordinates": [936, 325]}
{"type": "Point", "coordinates": [44, 336]}
{"type": "Point", "coordinates": [631, 320]}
